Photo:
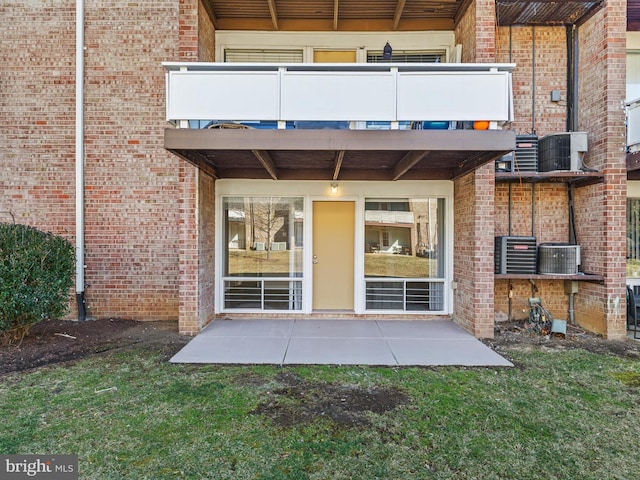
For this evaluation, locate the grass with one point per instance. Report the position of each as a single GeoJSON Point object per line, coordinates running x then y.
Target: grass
{"type": "Point", "coordinates": [560, 415]}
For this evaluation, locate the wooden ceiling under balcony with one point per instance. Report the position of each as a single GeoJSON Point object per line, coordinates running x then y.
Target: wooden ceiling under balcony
{"type": "Point", "coordinates": [390, 15]}
{"type": "Point", "coordinates": [337, 15]}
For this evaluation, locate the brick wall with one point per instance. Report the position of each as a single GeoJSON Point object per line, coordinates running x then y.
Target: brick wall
{"type": "Point", "coordinates": [473, 251]}
{"type": "Point", "coordinates": [474, 198]}
{"type": "Point", "coordinates": [206, 36]}
{"type": "Point", "coordinates": [465, 34]}
{"type": "Point", "coordinates": [133, 186]}
{"type": "Point", "coordinates": [132, 183]}
{"type": "Point", "coordinates": [37, 114]}
{"type": "Point", "coordinates": [540, 55]}
{"type": "Point", "coordinates": [601, 208]}
{"type": "Point", "coordinates": [206, 254]}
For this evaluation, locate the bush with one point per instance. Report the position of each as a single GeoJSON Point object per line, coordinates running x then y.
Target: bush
{"type": "Point", "coordinates": [36, 274]}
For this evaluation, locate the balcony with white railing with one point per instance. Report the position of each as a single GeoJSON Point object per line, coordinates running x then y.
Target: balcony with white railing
{"type": "Point", "coordinates": [360, 95]}
{"type": "Point", "coordinates": [633, 126]}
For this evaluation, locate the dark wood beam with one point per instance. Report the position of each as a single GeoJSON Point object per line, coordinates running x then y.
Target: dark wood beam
{"type": "Point", "coordinates": [398, 14]}
{"type": "Point", "coordinates": [274, 13]}
{"type": "Point", "coordinates": [324, 139]}
{"type": "Point", "coordinates": [267, 162]}
{"type": "Point", "coordinates": [326, 24]}
{"type": "Point", "coordinates": [407, 162]}
{"type": "Point", "coordinates": [198, 160]}
{"type": "Point", "coordinates": [338, 164]}
{"type": "Point", "coordinates": [476, 160]}
{"type": "Point", "coordinates": [208, 6]}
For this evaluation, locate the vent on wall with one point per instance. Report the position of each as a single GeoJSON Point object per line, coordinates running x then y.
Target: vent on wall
{"type": "Point", "coordinates": [562, 151]}
{"type": "Point", "coordinates": [515, 255]}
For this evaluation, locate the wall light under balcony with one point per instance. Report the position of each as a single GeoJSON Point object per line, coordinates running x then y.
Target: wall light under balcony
{"type": "Point", "coordinates": [334, 189]}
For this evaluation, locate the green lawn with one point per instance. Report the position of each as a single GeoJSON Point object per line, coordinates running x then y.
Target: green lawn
{"type": "Point", "coordinates": [131, 415]}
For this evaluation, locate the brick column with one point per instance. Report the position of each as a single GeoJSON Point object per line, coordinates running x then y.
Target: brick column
{"type": "Point", "coordinates": [601, 208]}
{"type": "Point", "coordinates": [474, 196]}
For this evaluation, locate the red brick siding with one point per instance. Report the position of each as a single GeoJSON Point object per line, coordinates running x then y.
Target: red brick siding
{"type": "Point", "coordinates": [476, 32]}
{"type": "Point", "coordinates": [37, 106]}
{"type": "Point", "coordinates": [465, 34]}
{"type": "Point", "coordinates": [206, 243]}
{"type": "Point", "coordinates": [133, 185]}
{"type": "Point", "coordinates": [473, 251]}
{"type": "Point", "coordinates": [206, 36]}
{"type": "Point", "coordinates": [474, 197]}
{"type": "Point", "coordinates": [601, 208]}
{"type": "Point", "coordinates": [132, 182]}
{"type": "Point", "coordinates": [543, 70]}
{"type": "Point", "coordinates": [189, 250]}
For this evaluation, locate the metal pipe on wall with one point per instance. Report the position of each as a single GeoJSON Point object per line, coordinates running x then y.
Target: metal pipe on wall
{"type": "Point", "coordinates": [80, 247]}
{"type": "Point", "coordinates": [533, 80]}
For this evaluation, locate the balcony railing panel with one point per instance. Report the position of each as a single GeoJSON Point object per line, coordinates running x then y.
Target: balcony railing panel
{"type": "Point", "coordinates": [223, 95]}
{"type": "Point", "coordinates": [633, 125]}
{"type": "Point", "coordinates": [331, 96]}
{"type": "Point", "coordinates": [339, 92]}
{"type": "Point", "coordinates": [454, 95]}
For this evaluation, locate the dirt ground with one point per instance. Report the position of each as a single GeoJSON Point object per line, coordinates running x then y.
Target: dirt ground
{"type": "Point", "coordinates": [52, 342]}
{"type": "Point", "coordinates": [57, 341]}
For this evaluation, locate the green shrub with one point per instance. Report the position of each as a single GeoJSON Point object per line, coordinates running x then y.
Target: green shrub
{"type": "Point", "coordinates": [36, 274]}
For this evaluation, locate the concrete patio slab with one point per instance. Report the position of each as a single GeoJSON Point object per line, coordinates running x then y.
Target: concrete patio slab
{"type": "Point", "coordinates": [339, 351]}
{"type": "Point", "coordinates": [445, 351]}
{"type": "Point", "coordinates": [233, 350]}
{"type": "Point", "coordinates": [337, 342]}
{"type": "Point", "coordinates": [249, 328]}
{"type": "Point", "coordinates": [417, 329]}
{"type": "Point", "coordinates": [336, 328]}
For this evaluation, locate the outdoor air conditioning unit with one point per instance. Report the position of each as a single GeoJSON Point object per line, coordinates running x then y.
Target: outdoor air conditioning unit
{"type": "Point", "coordinates": [515, 255]}
{"type": "Point", "coordinates": [558, 259]}
{"type": "Point", "coordinates": [562, 151]}
{"type": "Point", "coordinates": [523, 159]}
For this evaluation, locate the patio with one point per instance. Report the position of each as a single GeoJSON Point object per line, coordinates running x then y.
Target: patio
{"type": "Point", "coordinates": [338, 342]}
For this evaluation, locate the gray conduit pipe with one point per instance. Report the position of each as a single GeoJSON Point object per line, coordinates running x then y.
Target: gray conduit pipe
{"type": "Point", "coordinates": [80, 300]}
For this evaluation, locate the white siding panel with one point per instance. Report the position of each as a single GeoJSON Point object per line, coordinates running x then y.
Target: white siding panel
{"type": "Point", "coordinates": [453, 96]}
{"type": "Point", "coordinates": [338, 96]}
{"type": "Point", "coordinates": [223, 95]}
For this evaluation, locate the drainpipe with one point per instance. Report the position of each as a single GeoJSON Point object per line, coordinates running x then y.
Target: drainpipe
{"type": "Point", "coordinates": [80, 300]}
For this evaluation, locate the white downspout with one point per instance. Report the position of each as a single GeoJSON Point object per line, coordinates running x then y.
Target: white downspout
{"type": "Point", "coordinates": [80, 160]}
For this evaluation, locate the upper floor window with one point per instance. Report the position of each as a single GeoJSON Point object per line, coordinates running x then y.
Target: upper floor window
{"type": "Point", "coordinates": [408, 56]}
{"type": "Point", "coordinates": [259, 55]}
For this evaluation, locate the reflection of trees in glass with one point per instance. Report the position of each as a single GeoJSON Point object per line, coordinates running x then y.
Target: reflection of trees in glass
{"type": "Point", "coordinates": [264, 217]}
{"type": "Point", "coordinates": [264, 236]}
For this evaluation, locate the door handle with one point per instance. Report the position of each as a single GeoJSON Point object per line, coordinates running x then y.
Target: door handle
{"type": "Point", "coordinates": [315, 259]}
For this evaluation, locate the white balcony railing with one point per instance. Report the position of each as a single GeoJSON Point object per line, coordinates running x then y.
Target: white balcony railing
{"type": "Point", "coordinates": [633, 125]}
{"type": "Point", "coordinates": [338, 92]}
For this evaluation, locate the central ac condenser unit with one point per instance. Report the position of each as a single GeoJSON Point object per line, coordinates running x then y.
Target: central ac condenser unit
{"type": "Point", "coordinates": [515, 255]}
{"type": "Point", "coordinates": [562, 151]}
{"type": "Point", "coordinates": [558, 259]}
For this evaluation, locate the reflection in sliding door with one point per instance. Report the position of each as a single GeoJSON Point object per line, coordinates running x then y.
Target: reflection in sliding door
{"type": "Point", "coordinates": [404, 254]}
